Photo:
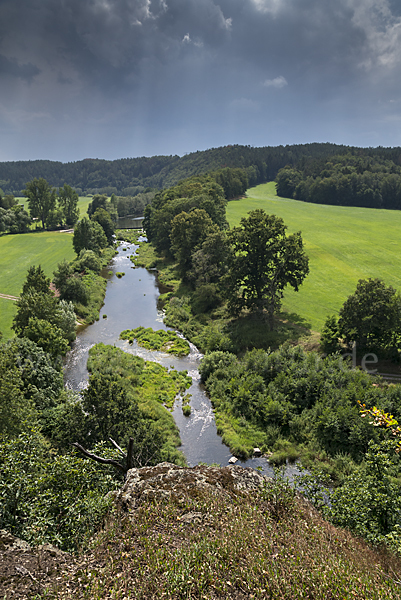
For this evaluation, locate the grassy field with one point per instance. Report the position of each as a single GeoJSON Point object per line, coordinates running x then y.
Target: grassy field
{"type": "Point", "coordinates": [344, 244]}
{"type": "Point", "coordinates": [17, 253]}
{"type": "Point", "coordinates": [83, 205]}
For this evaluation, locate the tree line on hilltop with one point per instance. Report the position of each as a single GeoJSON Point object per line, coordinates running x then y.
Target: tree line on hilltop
{"type": "Point", "coordinates": [371, 181]}
{"type": "Point", "coordinates": [131, 176]}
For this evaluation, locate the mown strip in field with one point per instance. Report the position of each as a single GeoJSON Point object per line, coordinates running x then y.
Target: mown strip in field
{"type": "Point", "coordinates": [19, 252]}
{"type": "Point", "coordinates": [344, 244]}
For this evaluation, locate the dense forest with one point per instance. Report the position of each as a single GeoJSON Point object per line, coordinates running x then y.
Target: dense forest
{"type": "Point", "coordinates": [130, 176]}
{"type": "Point", "coordinates": [369, 180]}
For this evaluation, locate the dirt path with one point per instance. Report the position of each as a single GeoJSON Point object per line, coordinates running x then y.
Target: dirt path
{"type": "Point", "coordinates": [8, 297]}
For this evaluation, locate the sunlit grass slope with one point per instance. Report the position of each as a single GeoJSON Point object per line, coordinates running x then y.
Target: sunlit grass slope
{"type": "Point", "coordinates": [344, 244]}
{"type": "Point", "coordinates": [83, 203]}
{"type": "Point", "coordinates": [17, 254]}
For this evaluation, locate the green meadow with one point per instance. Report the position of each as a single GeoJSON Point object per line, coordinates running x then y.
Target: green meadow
{"type": "Point", "coordinates": [19, 252]}
{"type": "Point", "coordinates": [83, 203]}
{"type": "Point", "coordinates": [344, 244]}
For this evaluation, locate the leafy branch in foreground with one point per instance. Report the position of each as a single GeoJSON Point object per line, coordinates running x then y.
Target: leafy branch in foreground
{"type": "Point", "coordinates": [383, 419]}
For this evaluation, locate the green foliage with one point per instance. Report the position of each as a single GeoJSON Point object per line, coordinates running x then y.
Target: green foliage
{"type": "Point", "coordinates": [371, 317]}
{"type": "Point", "coordinates": [134, 206]}
{"type": "Point", "coordinates": [197, 193]}
{"type": "Point", "coordinates": [41, 199]}
{"type": "Point", "coordinates": [47, 336]}
{"type": "Point", "coordinates": [188, 232]}
{"type": "Point", "coordinates": [87, 261]}
{"type": "Point", "coordinates": [369, 501]}
{"type": "Point", "coordinates": [14, 220]}
{"type": "Point", "coordinates": [102, 217]}
{"type": "Point", "coordinates": [211, 260]}
{"type": "Point", "coordinates": [66, 319]}
{"type": "Point", "coordinates": [68, 202]}
{"type": "Point", "coordinates": [205, 298]}
{"type": "Point", "coordinates": [265, 261]}
{"type": "Point", "coordinates": [7, 201]}
{"type": "Point", "coordinates": [95, 291]}
{"type": "Point", "coordinates": [36, 281]}
{"type": "Point", "coordinates": [89, 235]}
{"type": "Point", "coordinates": [125, 398]}
{"type": "Point", "coordinates": [41, 379]}
{"type": "Point", "coordinates": [308, 401]}
{"type": "Point", "coordinates": [34, 305]}
{"type": "Point", "coordinates": [15, 408]}
{"type": "Point", "coordinates": [348, 180]}
{"type": "Point", "coordinates": [47, 497]}
{"type": "Point", "coordinates": [216, 361]}
{"type": "Point", "coordinates": [98, 201]}
{"type": "Point", "coordinates": [131, 176]}
{"type": "Point", "coordinates": [329, 338]}
{"type": "Point", "coordinates": [41, 318]}
{"type": "Point", "coordinates": [166, 341]}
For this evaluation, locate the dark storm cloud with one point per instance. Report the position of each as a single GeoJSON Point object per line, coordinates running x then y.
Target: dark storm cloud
{"type": "Point", "coordinates": [189, 65]}
{"type": "Point", "coordinates": [11, 68]}
{"type": "Point", "coordinates": [112, 38]}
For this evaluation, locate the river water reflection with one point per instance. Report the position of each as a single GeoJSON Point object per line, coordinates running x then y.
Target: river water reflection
{"type": "Point", "coordinates": [131, 301]}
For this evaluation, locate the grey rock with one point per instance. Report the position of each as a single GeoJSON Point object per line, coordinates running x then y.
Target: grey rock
{"type": "Point", "coordinates": [166, 480]}
{"type": "Point", "coordinates": [52, 550]}
{"type": "Point", "coordinates": [10, 542]}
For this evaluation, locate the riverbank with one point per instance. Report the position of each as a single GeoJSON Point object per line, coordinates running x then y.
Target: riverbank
{"type": "Point", "coordinates": [131, 302]}
{"type": "Point", "coordinates": [274, 400]}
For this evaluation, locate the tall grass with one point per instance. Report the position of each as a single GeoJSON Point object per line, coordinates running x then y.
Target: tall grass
{"type": "Point", "coordinates": [204, 546]}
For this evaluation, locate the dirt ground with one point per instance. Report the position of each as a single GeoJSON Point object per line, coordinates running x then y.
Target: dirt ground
{"type": "Point", "coordinates": [26, 573]}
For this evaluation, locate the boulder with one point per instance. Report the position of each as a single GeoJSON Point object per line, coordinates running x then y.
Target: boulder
{"type": "Point", "coordinates": [165, 481]}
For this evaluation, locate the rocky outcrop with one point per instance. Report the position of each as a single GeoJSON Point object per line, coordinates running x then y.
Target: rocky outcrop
{"type": "Point", "coordinates": [166, 480]}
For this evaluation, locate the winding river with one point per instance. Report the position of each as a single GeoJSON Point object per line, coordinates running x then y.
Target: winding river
{"type": "Point", "coordinates": [131, 301]}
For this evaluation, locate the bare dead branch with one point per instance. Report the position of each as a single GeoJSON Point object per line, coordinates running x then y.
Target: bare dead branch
{"type": "Point", "coordinates": [103, 461]}
{"type": "Point", "coordinates": [129, 453]}
{"type": "Point", "coordinates": [118, 447]}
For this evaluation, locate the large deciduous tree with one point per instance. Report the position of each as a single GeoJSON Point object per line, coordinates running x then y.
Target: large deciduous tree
{"type": "Point", "coordinates": [102, 217]}
{"type": "Point", "coordinates": [41, 199]}
{"type": "Point", "coordinates": [265, 261]}
{"type": "Point", "coordinates": [89, 235]}
{"type": "Point", "coordinates": [188, 232]}
{"type": "Point", "coordinates": [371, 316]}
{"type": "Point", "coordinates": [68, 202]}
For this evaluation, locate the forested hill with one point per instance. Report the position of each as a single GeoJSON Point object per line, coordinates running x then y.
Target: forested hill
{"type": "Point", "coordinates": [130, 176]}
{"type": "Point", "coordinates": [370, 179]}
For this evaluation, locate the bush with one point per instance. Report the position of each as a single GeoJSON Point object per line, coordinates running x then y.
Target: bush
{"type": "Point", "coordinates": [48, 497]}
{"type": "Point", "coordinates": [214, 361]}
{"type": "Point", "coordinates": [88, 260]}
{"type": "Point", "coordinates": [205, 298]}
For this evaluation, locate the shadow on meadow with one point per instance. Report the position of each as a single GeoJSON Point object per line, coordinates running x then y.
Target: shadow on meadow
{"type": "Point", "coordinates": [249, 331]}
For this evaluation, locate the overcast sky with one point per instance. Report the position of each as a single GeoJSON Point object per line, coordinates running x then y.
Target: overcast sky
{"type": "Point", "coordinates": [125, 78]}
